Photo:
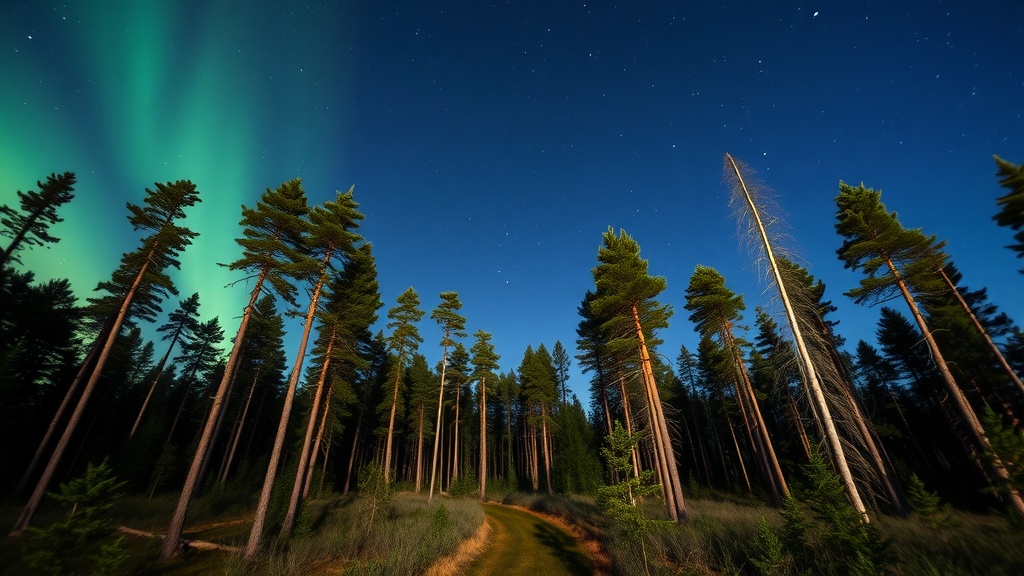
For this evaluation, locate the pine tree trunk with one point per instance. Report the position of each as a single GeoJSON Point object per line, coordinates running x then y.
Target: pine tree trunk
{"type": "Point", "coordinates": [534, 459]}
{"type": "Point", "coordinates": [296, 498]}
{"type": "Point", "coordinates": [216, 432]}
{"type": "Point", "coordinates": [318, 443]}
{"type": "Point", "coordinates": [483, 439]}
{"type": "Point", "coordinates": [419, 448]}
{"type": "Point", "coordinates": [678, 509]}
{"type": "Point", "coordinates": [627, 413]}
{"type": "Point", "coordinates": [256, 535]}
{"type": "Point", "coordinates": [156, 380]}
{"type": "Point", "coordinates": [805, 443]}
{"type": "Point", "coordinates": [391, 422]}
{"type": "Point", "coordinates": [984, 333]}
{"type": "Point", "coordinates": [90, 386]}
{"type": "Point", "coordinates": [352, 455]}
{"type": "Point", "coordinates": [238, 431]}
{"type": "Point", "coordinates": [455, 437]}
{"type": "Point", "coordinates": [547, 448]}
{"type": "Point", "coordinates": [86, 364]}
{"type": "Point", "coordinates": [437, 431]}
{"type": "Point", "coordinates": [739, 453]}
{"type": "Point", "coordinates": [966, 410]}
{"type": "Point", "coordinates": [172, 540]}
{"type": "Point", "coordinates": [771, 461]}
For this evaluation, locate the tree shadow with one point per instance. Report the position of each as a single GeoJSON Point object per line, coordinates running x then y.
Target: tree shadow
{"type": "Point", "coordinates": [565, 548]}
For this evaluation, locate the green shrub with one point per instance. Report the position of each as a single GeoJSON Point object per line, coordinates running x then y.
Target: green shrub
{"type": "Point", "coordinates": [80, 543]}
{"type": "Point", "coordinates": [822, 533]}
{"type": "Point", "coordinates": [927, 504]}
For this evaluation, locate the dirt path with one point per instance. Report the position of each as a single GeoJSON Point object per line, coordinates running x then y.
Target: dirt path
{"type": "Point", "coordinates": [522, 543]}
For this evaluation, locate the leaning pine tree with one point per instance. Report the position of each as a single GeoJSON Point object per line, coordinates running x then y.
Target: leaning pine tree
{"type": "Point", "coordinates": [897, 260]}
{"type": "Point", "coordinates": [30, 226]}
{"type": "Point", "coordinates": [330, 238]}
{"type": "Point", "coordinates": [182, 322]}
{"type": "Point", "coordinates": [715, 310]}
{"type": "Point", "coordinates": [271, 231]}
{"type": "Point", "coordinates": [1011, 206]}
{"type": "Point", "coordinates": [140, 278]}
{"type": "Point", "coordinates": [625, 301]}
{"type": "Point", "coordinates": [352, 301]}
{"type": "Point", "coordinates": [744, 199]}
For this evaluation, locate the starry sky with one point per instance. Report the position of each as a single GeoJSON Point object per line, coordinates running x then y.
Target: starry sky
{"type": "Point", "coordinates": [490, 145]}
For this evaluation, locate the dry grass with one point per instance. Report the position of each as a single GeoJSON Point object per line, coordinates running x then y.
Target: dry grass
{"type": "Point", "coordinates": [467, 551]}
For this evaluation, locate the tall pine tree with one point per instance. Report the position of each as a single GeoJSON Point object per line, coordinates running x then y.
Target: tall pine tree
{"type": "Point", "coordinates": [896, 260]}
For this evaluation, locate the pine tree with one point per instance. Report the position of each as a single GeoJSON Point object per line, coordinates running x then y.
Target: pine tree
{"type": "Point", "coordinates": [458, 375]}
{"type": "Point", "coordinates": [985, 322]}
{"type": "Point", "coordinates": [30, 226]}
{"type": "Point", "coordinates": [352, 302]}
{"type": "Point", "coordinates": [896, 260]}
{"type": "Point", "coordinates": [272, 233]}
{"type": "Point", "coordinates": [181, 323]}
{"type": "Point", "coordinates": [485, 362]}
{"type": "Point", "coordinates": [263, 364]}
{"type": "Point", "coordinates": [715, 311]}
{"type": "Point", "coordinates": [562, 365]}
{"type": "Point", "coordinates": [593, 357]}
{"type": "Point", "coordinates": [422, 390]}
{"type": "Point", "coordinates": [159, 250]}
{"type": "Point", "coordinates": [403, 342]}
{"type": "Point", "coordinates": [39, 349]}
{"type": "Point", "coordinates": [328, 238]}
{"type": "Point", "coordinates": [73, 543]}
{"type": "Point", "coordinates": [453, 325]}
{"type": "Point", "coordinates": [1011, 211]}
{"type": "Point", "coordinates": [625, 302]}
{"type": "Point", "coordinates": [537, 376]}
{"type": "Point", "coordinates": [621, 501]}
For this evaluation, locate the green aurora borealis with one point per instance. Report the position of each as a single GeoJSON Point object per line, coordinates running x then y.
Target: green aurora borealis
{"type": "Point", "coordinates": [163, 92]}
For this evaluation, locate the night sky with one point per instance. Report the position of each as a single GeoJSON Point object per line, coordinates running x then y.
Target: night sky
{"type": "Point", "coordinates": [491, 145]}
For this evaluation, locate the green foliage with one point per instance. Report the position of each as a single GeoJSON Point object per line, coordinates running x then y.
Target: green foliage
{"type": "Point", "coordinates": [78, 543]}
{"type": "Point", "coordinates": [1008, 444]}
{"type": "Point", "coordinates": [823, 533]}
{"type": "Point", "coordinates": [874, 240]}
{"type": "Point", "coordinates": [927, 504]}
{"type": "Point", "coordinates": [375, 492]}
{"type": "Point", "coordinates": [577, 469]}
{"type": "Point", "coordinates": [30, 226]}
{"type": "Point", "coordinates": [712, 305]}
{"type": "Point", "coordinates": [1011, 206]}
{"type": "Point", "coordinates": [624, 286]}
{"type": "Point", "coordinates": [620, 501]}
{"type": "Point", "coordinates": [273, 236]}
{"type": "Point", "coordinates": [768, 551]}
{"type": "Point", "coordinates": [453, 324]}
{"type": "Point", "coordinates": [463, 486]}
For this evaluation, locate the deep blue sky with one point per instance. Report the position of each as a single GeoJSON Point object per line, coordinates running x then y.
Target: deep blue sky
{"type": "Point", "coordinates": [491, 146]}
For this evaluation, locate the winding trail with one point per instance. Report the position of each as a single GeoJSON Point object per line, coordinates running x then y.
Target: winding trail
{"type": "Point", "coordinates": [522, 543]}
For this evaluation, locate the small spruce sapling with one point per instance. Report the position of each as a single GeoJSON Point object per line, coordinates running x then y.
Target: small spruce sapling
{"type": "Point", "coordinates": [79, 543]}
{"type": "Point", "coordinates": [927, 504]}
{"type": "Point", "coordinates": [824, 532]}
{"type": "Point", "coordinates": [620, 501]}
